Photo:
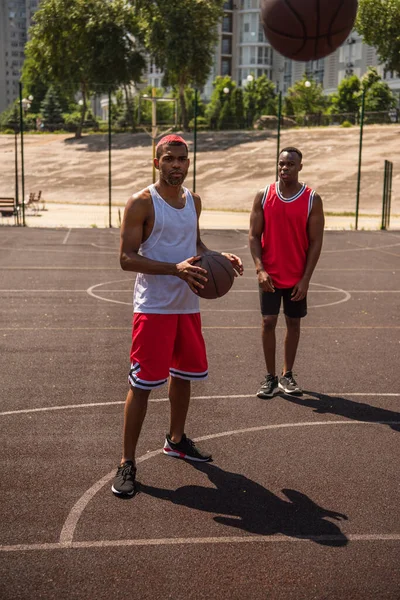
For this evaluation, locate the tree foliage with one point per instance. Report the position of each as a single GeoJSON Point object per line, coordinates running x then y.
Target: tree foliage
{"type": "Point", "coordinates": [378, 95]}
{"type": "Point", "coordinates": [84, 45]}
{"type": "Point", "coordinates": [347, 98]}
{"type": "Point", "coordinates": [181, 37]}
{"type": "Point", "coordinates": [306, 99]}
{"type": "Point", "coordinates": [259, 98]}
{"type": "Point", "coordinates": [378, 23]}
{"type": "Point", "coordinates": [52, 111]}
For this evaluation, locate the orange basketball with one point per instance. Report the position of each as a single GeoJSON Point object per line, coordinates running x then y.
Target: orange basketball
{"type": "Point", "coordinates": [306, 30]}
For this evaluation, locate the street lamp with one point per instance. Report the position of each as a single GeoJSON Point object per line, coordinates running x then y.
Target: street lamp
{"type": "Point", "coordinates": [226, 90]}
{"type": "Point", "coordinates": [307, 84]}
{"type": "Point", "coordinates": [26, 104]}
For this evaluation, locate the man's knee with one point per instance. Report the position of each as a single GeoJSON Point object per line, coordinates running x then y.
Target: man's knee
{"type": "Point", "coordinates": [269, 323]}
{"type": "Point", "coordinates": [293, 324]}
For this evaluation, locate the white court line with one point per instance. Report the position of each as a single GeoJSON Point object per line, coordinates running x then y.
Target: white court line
{"type": "Point", "coordinates": [248, 539]}
{"type": "Point", "coordinates": [359, 249]}
{"type": "Point", "coordinates": [347, 295]}
{"type": "Point", "coordinates": [155, 400]}
{"type": "Point", "coordinates": [67, 236]}
{"type": "Point", "coordinates": [71, 522]}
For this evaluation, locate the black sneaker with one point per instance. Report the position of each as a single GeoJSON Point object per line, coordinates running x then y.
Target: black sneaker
{"type": "Point", "coordinates": [289, 385]}
{"type": "Point", "coordinates": [124, 481]}
{"type": "Point", "coordinates": [269, 388]}
{"type": "Point", "coordinates": [185, 449]}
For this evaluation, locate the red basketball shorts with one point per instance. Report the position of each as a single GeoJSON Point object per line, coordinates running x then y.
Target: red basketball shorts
{"type": "Point", "coordinates": [164, 345]}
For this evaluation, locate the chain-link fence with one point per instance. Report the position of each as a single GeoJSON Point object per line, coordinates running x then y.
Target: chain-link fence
{"type": "Point", "coordinates": [84, 165]}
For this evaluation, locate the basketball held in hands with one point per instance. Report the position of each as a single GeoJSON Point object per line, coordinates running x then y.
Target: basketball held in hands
{"type": "Point", "coordinates": [220, 275]}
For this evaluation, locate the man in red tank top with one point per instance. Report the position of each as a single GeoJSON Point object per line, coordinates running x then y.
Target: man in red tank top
{"type": "Point", "coordinates": [286, 231]}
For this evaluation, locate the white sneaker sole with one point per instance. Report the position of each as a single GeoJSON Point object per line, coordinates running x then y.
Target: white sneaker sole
{"type": "Point", "coordinates": [271, 395]}
{"type": "Point", "coordinates": [297, 392]}
{"type": "Point", "coordinates": [114, 491]}
{"type": "Point", "coordinates": [177, 454]}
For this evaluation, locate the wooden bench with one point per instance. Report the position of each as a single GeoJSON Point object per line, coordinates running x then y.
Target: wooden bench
{"type": "Point", "coordinates": [8, 208]}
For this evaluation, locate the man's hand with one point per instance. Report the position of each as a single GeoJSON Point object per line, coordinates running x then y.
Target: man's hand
{"type": "Point", "coordinates": [235, 262]}
{"type": "Point", "coordinates": [300, 290]}
{"type": "Point", "coordinates": [265, 281]}
{"type": "Point", "coordinates": [191, 274]}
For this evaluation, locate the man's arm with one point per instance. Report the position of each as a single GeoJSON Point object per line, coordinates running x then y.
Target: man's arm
{"type": "Point", "coordinates": [255, 233]}
{"type": "Point", "coordinates": [202, 248]}
{"type": "Point", "coordinates": [315, 232]}
{"type": "Point", "coordinates": [132, 231]}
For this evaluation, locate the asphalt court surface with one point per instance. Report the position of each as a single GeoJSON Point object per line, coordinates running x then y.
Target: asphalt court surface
{"type": "Point", "coordinates": [302, 499]}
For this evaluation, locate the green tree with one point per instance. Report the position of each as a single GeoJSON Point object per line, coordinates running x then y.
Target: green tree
{"type": "Point", "coordinates": [181, 37]}
{"type": "Point", "coordinates": [378, 95]}
{"type": "Point", "coordinates": [221, 95]}
{"type": "Point", "coordinates": [306, 97]}
{"type": "Point", "coordinates": [347, 98]}
{"type": "Point", "coordinates": [259, 98]}
{"type": "Point", "coordinates": [238, 107]}
{"type": "Point", "coordinates": [378, 23]}
{"type": "Point", "coordinates": [9, 118]}
{"type": "Point", "coordinates": [52, 111]}
{"type": "Point", "coordinates": [84, 45]}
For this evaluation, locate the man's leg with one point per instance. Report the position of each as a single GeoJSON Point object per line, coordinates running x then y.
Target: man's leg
{"type": "Point", "coordinates": [177, 444]}
{"type": "Point", "coordinates": [179, 397]}
{"type": "Point", "coordinates": [134, 414]}
{"type": "Point", "coordinates": [291, 342]}
{"type": "Point", "coordinates": [269, 342]}
{"type": "Point", "coordinates": [270, 385]}
{"type": "Point", "coordinates": [287, 382]}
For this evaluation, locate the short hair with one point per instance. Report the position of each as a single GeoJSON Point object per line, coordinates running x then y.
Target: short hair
{"type": "Point", "coordinates": [292, 149]}
{"type": "Point", "coordinates": [170, 140]}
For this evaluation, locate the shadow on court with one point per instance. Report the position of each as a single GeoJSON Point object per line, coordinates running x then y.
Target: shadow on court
{"type": "Point", "coordinates": [357, 411]}
{"type": "Point", "coordinates": [248, 506]}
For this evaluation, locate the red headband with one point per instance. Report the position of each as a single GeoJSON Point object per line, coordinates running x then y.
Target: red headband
{"type": "Point", "coordinates": [167, 139]}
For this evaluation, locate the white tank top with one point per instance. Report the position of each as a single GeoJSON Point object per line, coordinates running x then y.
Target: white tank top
{"type": "Point", "coordinates": [173, 239]}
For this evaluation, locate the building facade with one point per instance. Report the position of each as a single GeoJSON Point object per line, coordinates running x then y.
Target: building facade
{"type": "Point", "coordinates": [242, 52]}
{"type": "Point", "coordinates": [15, 20]}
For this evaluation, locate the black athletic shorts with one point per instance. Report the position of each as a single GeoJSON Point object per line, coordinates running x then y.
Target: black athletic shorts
{"type": "Point", "coordinates": [270, 303]}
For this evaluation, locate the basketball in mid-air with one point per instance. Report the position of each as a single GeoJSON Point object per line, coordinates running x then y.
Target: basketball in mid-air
{"type": "Point", "coordinates": [306, 30]}
{"type": "Point", "coordinates": [220, 275]}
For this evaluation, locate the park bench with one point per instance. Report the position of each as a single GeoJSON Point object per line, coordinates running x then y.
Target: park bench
{"type": "Point", "coordinates": [9, 209]}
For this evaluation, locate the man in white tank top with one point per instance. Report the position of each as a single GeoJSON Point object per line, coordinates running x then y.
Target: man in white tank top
{"type": "Point", "coordinates": [160, 241]}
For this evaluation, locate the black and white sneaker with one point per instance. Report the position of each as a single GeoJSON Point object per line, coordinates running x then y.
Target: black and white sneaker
{"type": "Point", "coordinates": [289, 385]}
{"type": "Point", "coordinates": [269, 387]}
{"type": "Point", "coordinates": [186, 449]}
{"type": "Point", "coordinates": [124, 484]}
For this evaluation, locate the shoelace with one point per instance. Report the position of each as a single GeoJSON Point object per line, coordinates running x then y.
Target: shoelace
{"type": "Point", "coordinates": [126, 470]}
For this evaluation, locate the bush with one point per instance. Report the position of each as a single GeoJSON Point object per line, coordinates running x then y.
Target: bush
{"type": "Point", "coordinates": [346, 124]}
{"type": "Point", "coordinates": [202, 124]}
{"type": "Point", "coordinates": [71, 121]}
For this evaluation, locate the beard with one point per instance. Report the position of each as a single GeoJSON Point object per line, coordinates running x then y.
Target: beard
{"type": "Point", "coordinates": [175, 179]}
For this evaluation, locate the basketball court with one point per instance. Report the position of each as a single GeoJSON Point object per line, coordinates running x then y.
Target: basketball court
{"type": "Point", "coordinates": [302, 499]}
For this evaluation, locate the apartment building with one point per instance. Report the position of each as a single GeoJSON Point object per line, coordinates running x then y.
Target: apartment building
{"type": "Point", "coordinates": [15, 20]}
{"type": "Point", "coordinates": [244, 52]}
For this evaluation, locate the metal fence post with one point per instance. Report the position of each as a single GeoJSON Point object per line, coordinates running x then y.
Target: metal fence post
{"type": "Point", "coordinates": [383, 222]}
{"type": "Point", "coordinates": [109, 159]}
{"type": "Point", "coordinates": [21, 128]}
{"type": "Point", "coordinates": [278, 137]}
{"type": "Point", "coordinates": [359, 158]}
{"type": "Point", "coordinates": [195, 140]}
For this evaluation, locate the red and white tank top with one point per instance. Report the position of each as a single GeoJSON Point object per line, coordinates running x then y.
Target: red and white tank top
{"type": "Point", "coordinates": [173, 239]}
{"type": "Point", "coordinates": [284, 240]}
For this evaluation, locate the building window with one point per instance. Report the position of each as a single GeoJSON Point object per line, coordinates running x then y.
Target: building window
{"type": "Point", "coordinates": [226, 46]}
{"type": "Point", "coordinates": [225, 66]}
{"type": "Point", "coordinates": [227, 24]}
